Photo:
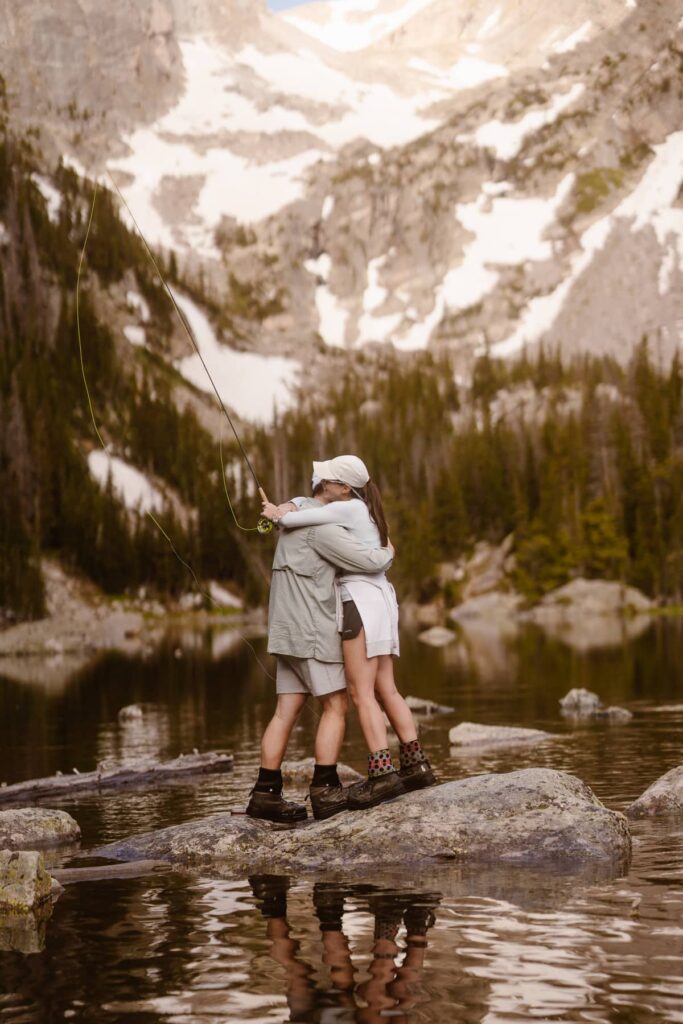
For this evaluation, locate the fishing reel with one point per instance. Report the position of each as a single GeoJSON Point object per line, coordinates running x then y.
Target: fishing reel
{"type": "Point", "coordinates": [264, 526]}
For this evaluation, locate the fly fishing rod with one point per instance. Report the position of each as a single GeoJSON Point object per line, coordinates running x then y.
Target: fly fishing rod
{"type": "Point", "coordinates": [264, 525]}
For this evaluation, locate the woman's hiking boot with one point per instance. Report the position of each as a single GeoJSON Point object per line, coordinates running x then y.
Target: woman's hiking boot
{"type": "Point", "coordinates": [375, 790]}
{"type": "Point", "coordinates": [417, 776]}
{"type": "Point", "coordinates": [328, 800]}
{"type": "Point", "coordinates": [273, 807]}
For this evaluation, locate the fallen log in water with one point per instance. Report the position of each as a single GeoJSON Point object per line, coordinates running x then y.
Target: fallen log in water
{"type": "Point", "coordinates": [138, 773]}
{"type": "Point", "coordinates": [103, 872]}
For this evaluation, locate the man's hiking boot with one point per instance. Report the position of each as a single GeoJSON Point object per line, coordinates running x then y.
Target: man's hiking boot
{"type": "Point", "coordinates": [417, 776]}
{"type": "Point", "coordinates": [273, 807]}
{"type": "Point", "coordinates": [375, 790]}
{"type": "Point", "coordinates": [328, 800]}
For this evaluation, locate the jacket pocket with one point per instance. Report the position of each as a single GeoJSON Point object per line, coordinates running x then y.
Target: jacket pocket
{"type": "Point", "coordinates": [296, 556]}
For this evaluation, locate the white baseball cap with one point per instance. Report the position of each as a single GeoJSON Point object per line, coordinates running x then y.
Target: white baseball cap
{"type": "Point", "coordinates": [349, 469]}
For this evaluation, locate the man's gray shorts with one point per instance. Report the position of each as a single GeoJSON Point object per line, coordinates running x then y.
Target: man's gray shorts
{"type": "Point", "coordinates": [306, 675]}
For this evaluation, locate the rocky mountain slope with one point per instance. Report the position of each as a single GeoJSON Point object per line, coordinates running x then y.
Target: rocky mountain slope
{"type": "Point", "coordinates": [416, 171]}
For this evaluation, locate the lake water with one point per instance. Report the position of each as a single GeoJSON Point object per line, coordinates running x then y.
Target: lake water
{"type": "Point", "coordinates": [446, 944]}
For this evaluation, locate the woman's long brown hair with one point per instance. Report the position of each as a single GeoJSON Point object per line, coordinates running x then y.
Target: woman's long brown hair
{"type": "Point", "coordinates": [373, 499]}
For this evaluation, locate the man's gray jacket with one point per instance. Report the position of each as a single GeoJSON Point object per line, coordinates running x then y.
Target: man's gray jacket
{"type": "Point", "coordinates": [302, 615]}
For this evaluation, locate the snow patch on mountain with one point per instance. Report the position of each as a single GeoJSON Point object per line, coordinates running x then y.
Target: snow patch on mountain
{"type": "Point", "coordinates": [373, 328]}
{"type": "Point", "coordinates": [328, 207]}
{"type": "Point", "coordinates": [51, 195]}
{"type": "Point", "coordinates": [650, 203]}
{"type": "Point", "coordinates": [506, 232]}
{"type": "Point", "coordinates": [129, 485]}
{"type": "Point", "coordinates": [254, 386]}
{"type": "Point", "coordinates": [332, 317]}
{"type": "Point", "coordinates": [137, 304]}
{"type": "Point", "coordinates": [337, 27]}
{"type": "Point", "coordinates": [135, 335]}
{"type": "Point", "coordinates": [491, 23]}
{"type": "Point", "coordinates": [229, 185]}
{"type": "Point", "coordinates": [506, 138]}
{"type": "Point", "coordinates": [581, 35]}
{"type": "Point", "coordinates": [466, 73]}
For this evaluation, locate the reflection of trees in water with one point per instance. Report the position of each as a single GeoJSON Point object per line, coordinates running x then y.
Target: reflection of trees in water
{"type": "Point", "coordinates": [391, 987]}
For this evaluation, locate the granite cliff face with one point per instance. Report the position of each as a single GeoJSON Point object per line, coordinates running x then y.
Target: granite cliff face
{"type": "Point", "coordinates": [420, 172]}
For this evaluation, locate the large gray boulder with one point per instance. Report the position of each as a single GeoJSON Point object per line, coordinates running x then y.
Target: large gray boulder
{"type": "Point", "coordinates": [591, 614]}
{"type": "Point", "coordinates": [663, 797]}
{"type": "Point", "coordinates": [534, 816]}
{"type": "Point", "coordinates": [31, 828]}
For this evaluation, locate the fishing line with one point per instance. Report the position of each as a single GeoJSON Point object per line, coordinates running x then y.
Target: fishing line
{"type": "Point", "coordinates": [205, 593]}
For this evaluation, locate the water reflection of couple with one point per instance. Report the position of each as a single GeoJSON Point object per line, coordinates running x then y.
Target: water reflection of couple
{"type": "Point", "coordinates": [390, 988]}
{"type": "Point", "coordinates": [325, 631]}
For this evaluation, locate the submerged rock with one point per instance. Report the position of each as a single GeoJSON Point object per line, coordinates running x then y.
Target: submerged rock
{"type": "Point", "coordinates": [663, 797]}
{"type": "Point", "coordinates": [613, 714]}
{"type": "Point", "coordinates": [24, 882]}
{"type": "Point", "coordinates": [532, 816]}
{"type": "Point", "coordinates": [422, 706]}
{"type": "Point", "coordinates": [470, 734]}
{"type": "Point", "coordinates": [437, 636]}
{"type": "Point", "coordinates": [31, 828]}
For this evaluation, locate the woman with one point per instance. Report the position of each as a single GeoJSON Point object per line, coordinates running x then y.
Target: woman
{"type": "Point", "coordinates": [369, 629]}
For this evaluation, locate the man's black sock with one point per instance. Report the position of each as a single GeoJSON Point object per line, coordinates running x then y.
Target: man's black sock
{"type": "Point", "coordinates": [325, 775]}
{"type": "Point", "coordinates": [269, 780]}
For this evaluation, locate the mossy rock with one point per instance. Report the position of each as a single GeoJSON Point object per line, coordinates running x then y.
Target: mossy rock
{"type": "Point", "coordinates": [31, 828]}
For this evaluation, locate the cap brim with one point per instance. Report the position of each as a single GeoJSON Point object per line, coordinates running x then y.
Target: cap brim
{"type": "Point", "coordinates": [324, 470]}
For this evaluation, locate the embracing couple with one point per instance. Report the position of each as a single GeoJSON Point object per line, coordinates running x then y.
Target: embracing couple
{"type": "Point", "coordinates": [333, 620]}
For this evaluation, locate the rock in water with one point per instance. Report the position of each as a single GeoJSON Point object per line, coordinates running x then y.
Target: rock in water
{"type": "Point", "coordinates": [580, 704]}
{"type": "Point", "coordinates": [30, 828]}
{"type": "Point", "coordinates": [24, 882]}
{"type": "Point", "coordinates": [613, 714]}
{"type": "Point", "coordinates": [663, 797]}
{"type": "Point", "coordinates": [131, 713]}
{"type": "Point", "coordinates": [437, 636]}
{"type": "Point", "coordinates": [533, 816]}
{"type": "Point", "coordinates": [469, 734]}
{"type": "Point", "coordinates": [422, 706]}
{"type": "Point", "coordinates": [580, 701]}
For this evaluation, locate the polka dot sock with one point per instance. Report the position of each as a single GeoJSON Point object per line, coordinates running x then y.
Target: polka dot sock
{"type": "Point", "coordinates": [379, 763]}
{"type": "Point", "coordinates": [411, 754]}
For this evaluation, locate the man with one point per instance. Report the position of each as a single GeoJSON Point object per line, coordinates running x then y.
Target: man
{"type": "Point", "coordinates": [303, 635]}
